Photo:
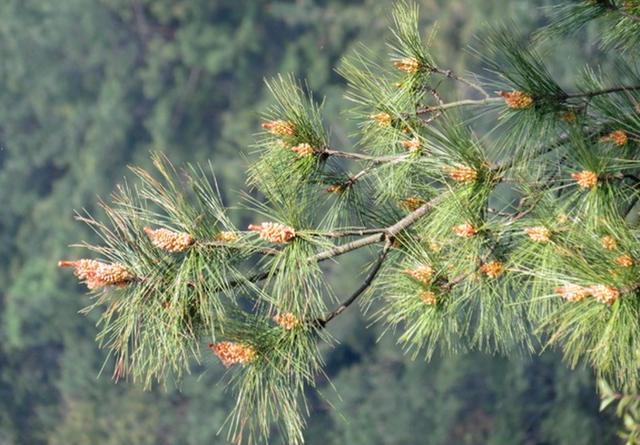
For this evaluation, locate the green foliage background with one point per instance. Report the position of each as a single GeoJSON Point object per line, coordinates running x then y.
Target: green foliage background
{"type": "Point", "coordinates": [87, 87]}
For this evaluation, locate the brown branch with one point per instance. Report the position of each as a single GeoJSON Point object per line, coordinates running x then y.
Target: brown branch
{"type": "Point", "coordinates": [388, 233]}
{"type": "Point", "coordinates": [322, 322]}
{"type": "Point", "coordinates": [489, 100]}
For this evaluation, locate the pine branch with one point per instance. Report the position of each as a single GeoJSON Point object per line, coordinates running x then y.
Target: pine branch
{"type": "Point", "coordinates": [490, 100]}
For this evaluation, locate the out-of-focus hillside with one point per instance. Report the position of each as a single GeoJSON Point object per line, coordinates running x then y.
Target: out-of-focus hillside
{"type": "Point", "coordinates": [87, 87]}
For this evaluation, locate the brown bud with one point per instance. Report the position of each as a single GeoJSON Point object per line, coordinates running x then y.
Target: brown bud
{"type": "Point", "coordinates": [568, 116]}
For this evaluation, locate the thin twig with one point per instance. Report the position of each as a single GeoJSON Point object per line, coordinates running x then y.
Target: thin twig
{"type": "Point", "coordinates": [460, 103]}
{"type": "Point", "coordinates": [351, 232]}
{"type": "Point", "coordinates": [363, 287]}
{"type": "Point", "coordinates": [451, 75]}
{"type": "Point", "coordinates": [361, 156]}
{"type": "Point", "coordinates": [591, 94]}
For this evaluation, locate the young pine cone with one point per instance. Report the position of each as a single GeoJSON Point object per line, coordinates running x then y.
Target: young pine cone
{"type": "Point", "coordinates": [517, 100]}
{"type": "Point", "coordinates": [539, 234]}
{"type": "Point", "coordinates": [572, 292]}
{"type": "Point", "coordinates": [168, 240]}
{"type": "Point", "coordinates": [421, 273]}
{"type": "Point", "coordinates": [274, 232]}
{"type": "Point", "coordinates": [407, 64]}
{"type": "Point", "coordinates": [231, 353]}
{"type": "Point", "coordinates": [287, 321]}
{"type": "Point", "coordinates": [463, 174]}
{"type": "Point", "coordinates": [279, 127]}
{"type": "Point", "coordinates": [466, 230]}
{"type": "Point", "coordinates": [585, 179]}
{"type": "Point", "coordinates": [96, 274]}
{"type": "Point", "coordinates": [492, 269]}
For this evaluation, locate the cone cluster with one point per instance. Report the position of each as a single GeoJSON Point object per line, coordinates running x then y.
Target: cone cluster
{"type": "Point", "coordinates": [412, 145]}
{"type": "Point", "coordinates": [168, 240]}
{"type": "Point", "coordinates": [96, 274]}
{"type": "Point", "coordinates": [279, 127]}
{"type": "Point", "coordinates": [226, 237]}
{"type": "Point", "coordinates": [463, 174]}
{"type": "Point", "coordinates": [585, 179]}
{"type": "Point", "coordinates": [492, 269]}
{"type": "Point", "coordinates": [231, 353]}
{"type": "Point", "coordinates": [287, 321]}
{"type": "Point", "coordinates": [383, 119]}
{"type": "Point", "coordinates": [601, 293]}
{"type": "Point", "coordinates": [428, 297]}
{"type": "Point", "coordinates": [608, 242]}
{"type": "Point", "coordinates": [617, 137]}
{"type": "Point", "coordinates": [624, 261]}
{"type": "Point", "coordinates": [407, 64]}
{"type": "Point", "coordinates": [303, 149]}
{"type": "Point", "coordinates": [421, 273]}
{"type": "Point", "coordinates": [465, 230]}
{"type": "Point", "coordinates": [568, 116]}
{"type": "Point", "coordinates": [539, 234]}
{"type": "Point", "coordinates": [412, 203]}
{"type": "Point", "coordinates": [274, 232]}
{"type": "Point", "coordinates": [517, 100]}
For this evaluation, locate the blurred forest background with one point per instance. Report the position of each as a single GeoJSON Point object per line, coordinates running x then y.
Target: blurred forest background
{"type": "Point", "coordinates": [90, 86]}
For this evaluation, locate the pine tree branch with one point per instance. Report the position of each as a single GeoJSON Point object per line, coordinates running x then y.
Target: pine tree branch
{"type": "Point", "coordinates": [592, 94]}
{"type": "Point", "coordinates": [630, 16]}
{"type": "Point", "coordinates": [363, 287]}
{"type": "Point", "coordinates": [389, 233]}
{"type": "Point", "coordinates": [352, 232]}
{"type": "Point", "coordinates": [460, 103]}
{"type": "Point", "coordinates": [361, 156]}
{"type": "Point", "coordinates": [489, 100]}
